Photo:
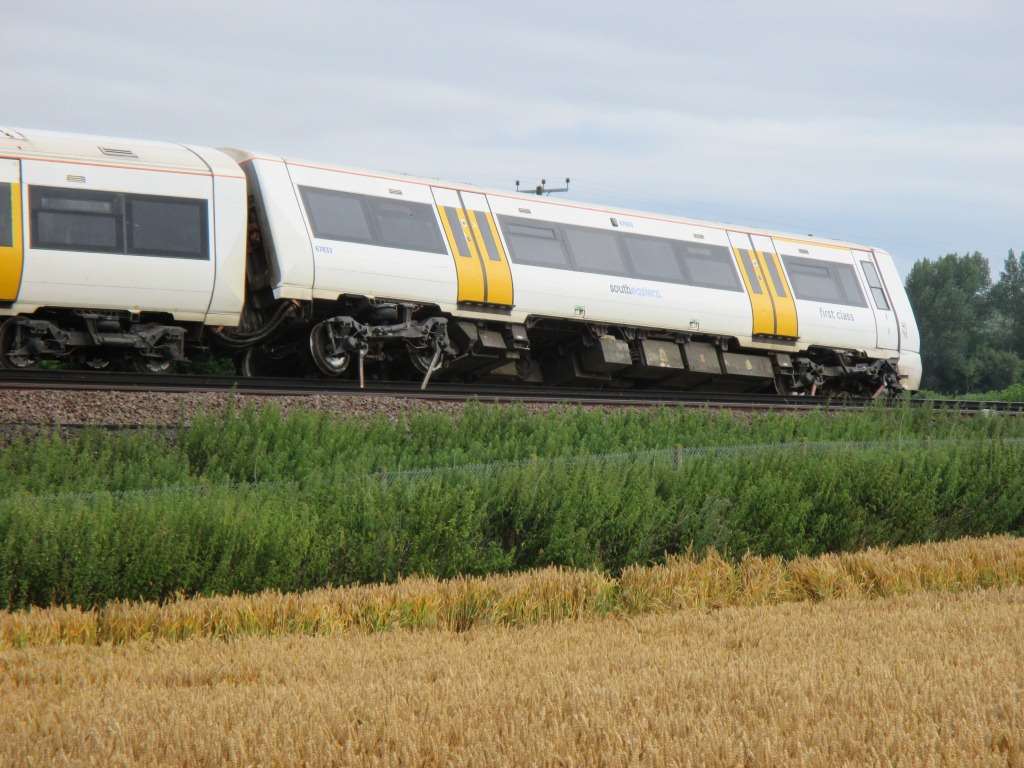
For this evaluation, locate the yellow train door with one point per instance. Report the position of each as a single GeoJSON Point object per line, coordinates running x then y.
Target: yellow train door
{"type": "Point", "coordinates": [481, 264]}
{"type": "Point", "coordinates": [756, 282]}
{"type": "Point", "coordinates": [786, 325]}
{"type": "Point", "coordinates": [11, 247]}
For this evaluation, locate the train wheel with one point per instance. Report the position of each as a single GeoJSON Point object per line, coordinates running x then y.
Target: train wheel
{"type": "Point", "coordinates": [329, 361]}
{"type": "Point", "coordinates": [12, 352]}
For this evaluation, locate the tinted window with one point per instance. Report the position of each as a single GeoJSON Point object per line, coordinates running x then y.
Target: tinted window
{"type": "Point", "coordinates": [710, 266]}
{"type": "Point", "coordinates": [485, 230]}
{"type": "Point", "coordinates": [537, 245]}
{"type": "Point", "coordinates": [748, 265]}
{"type": "Point", "coordinates": [167, 226]}
{"type": "Point", "coordinates": [351, 218]}
{"type": "Point", "coordinates": [77, 220]}
{"type": "Point", "coordinates": [875, 284]}
{"type": "Point", "coordinates": [595, 250]}
{"type": "Point", "coordinates": [824, 281]}
{"type": "Point", "coordinates": [88, 220]}
{"type": "Point", "coordinates": [336, 215]}
{"type": "Point", "coordinates": [6, 224]}
{"type": "Point", "coordinates": [654, 258]}
{"type": "Point", "coordinates": [773, 271]}
{"type": "Point", "coordinates": [400, 224]}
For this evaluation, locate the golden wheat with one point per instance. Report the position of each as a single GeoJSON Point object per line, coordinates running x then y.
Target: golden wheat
{"type": "Point", "coordinates": [931, 679]}
{"type": "Point", "coordinates": [540, 596]}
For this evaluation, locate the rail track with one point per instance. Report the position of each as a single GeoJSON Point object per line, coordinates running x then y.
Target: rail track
{"type": "Point", "coordinates": [128, 382]}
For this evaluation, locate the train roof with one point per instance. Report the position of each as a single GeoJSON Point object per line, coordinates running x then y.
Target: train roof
{"type": "Point", "coordinates": [243, 156]}
{"type": "Point", "coordinates": [32, 144]}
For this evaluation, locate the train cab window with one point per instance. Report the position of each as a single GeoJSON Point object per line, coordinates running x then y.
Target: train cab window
{"type": "Point", "coordinates": [336, 215]}
{"type": "Point", "coordinates": [875, 284]}
{"type": "Point", "coordinates": [77, 220]}
{"type": "Point", "coordinates": [534, 244]}
{"type": "Point", "coordinates": [710, 266]}
{"type": "Point", "coordinates": [825, 281]}
{"type": "Point", "coordinates": [401, 224]}
{"type": "Point", "coordinates": [654, 258]}
{"type": "Point", "coordinates": [167, 226]}
{"type": "Point", "coordinates": [6, 222]}
{"type": "Point", "coordinates": [595, 250]}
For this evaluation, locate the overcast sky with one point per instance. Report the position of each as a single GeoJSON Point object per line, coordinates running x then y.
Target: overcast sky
{"type": "Point", "coordinates": [899, 124]}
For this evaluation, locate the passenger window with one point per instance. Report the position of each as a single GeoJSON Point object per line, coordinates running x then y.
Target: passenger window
{"type": "Point", "coordinates": [595, 250]}
{"type": "Point", "coordinates": [336, 215]}
{"type": "Point", "coordinates": [533, 244]}
{"type": "Point", "coordinates": [748, 264]}
{"type": "Point", "coordinates": [773, 272]}
{"type": "Point", "coordinates": [875, 284]}
{"type": "Point", "coordinates": [710, 266]}
{"type": "Point", "coordinates": [402, 224]}
{"type": "Point", "coordinates": [77, 220]}
{"type": "Point", "coordinates": [654, 259]}
{"type": "Point", "coordinates": [6, 220]}
{"type": "Point", "coordinates": [167, 226]}
{"type": "Point", "coordinates": [351, 218]}
{"type": "Point", "coordinates": [825, 281]}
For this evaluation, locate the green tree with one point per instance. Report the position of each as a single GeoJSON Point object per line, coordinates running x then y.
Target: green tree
{"type": "Point", "coordinates": [1007, 305]}
{"type": "Point", "coordinates": [963, 326]}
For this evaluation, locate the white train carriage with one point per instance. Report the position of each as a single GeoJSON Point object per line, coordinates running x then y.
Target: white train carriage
{"type": "Point", "coordinates": [566, 292]}
{"type": "Point", "coordinates": [116, 249]}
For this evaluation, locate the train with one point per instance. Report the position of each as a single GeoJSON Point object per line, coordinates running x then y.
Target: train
{"type": "Point", "coordinates": [145, 255]}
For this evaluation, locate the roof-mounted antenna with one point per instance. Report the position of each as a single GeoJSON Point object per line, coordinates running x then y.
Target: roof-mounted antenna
{"type": "Point", "coordinates": [543, 189]}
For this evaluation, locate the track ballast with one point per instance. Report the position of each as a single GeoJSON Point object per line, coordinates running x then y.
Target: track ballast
{"type": "Point", "coordinates": [128, 382]}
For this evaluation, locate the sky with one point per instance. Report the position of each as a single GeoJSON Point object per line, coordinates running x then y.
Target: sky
{"type": "Point", "coordinates": [895, 124]}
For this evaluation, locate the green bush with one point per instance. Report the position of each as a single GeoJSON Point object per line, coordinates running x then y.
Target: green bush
{"type": "Point", "coordinates": [254, 500]}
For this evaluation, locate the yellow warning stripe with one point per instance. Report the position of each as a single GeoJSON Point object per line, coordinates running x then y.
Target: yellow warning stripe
{"type": "Point", "coordinates": [11, 256]}
{"type": "Point", "coordinates": [448, 231]}
{"type": "Point", "coordinates": [785, 305]}
{"type": "Point", "coordinates": [760, 303]}
{"type": "Point", "coordinates": [468, 272]}
{"type": "Point", "coordinates": [499, 275]}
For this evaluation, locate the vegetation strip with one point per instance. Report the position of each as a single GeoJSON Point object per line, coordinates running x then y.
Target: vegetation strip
{"type": "Point", "coordinates": [548, 595]}
{"type": "Point", "coordinates": [255, 500]}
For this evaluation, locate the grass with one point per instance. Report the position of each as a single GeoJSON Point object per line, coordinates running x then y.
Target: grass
{"type": "Point", "coordinates": [254, 500]}
{"type": "Point", "coordinates": [913, 680]}
{"type": "Point", "coordinates": [538, 597]}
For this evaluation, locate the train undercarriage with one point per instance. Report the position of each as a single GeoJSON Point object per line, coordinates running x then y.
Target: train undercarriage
{"type": "Point", "coordinates": [369, 341]}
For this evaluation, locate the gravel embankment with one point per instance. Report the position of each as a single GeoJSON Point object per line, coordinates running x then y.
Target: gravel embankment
{"type": "Point", "coordinates": [71, 408]}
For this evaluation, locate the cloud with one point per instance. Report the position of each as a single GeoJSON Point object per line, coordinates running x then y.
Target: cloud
{"type": "Point", "coordinates": [889, 124]}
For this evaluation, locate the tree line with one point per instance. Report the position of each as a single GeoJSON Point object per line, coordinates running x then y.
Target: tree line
{"type": "Point", "coordinates": [972, 329]}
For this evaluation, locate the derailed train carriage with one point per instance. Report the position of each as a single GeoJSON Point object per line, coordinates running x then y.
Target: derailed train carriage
{"type": "Point", "coordinates": [130, 253]}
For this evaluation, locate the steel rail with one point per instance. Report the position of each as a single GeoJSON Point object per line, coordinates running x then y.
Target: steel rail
{"type": "Point", "coordinates": [132, 382]}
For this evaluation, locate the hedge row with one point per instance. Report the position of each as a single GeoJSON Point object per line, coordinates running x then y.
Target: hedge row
{"type": "Point", "coordinates": [258, 501]}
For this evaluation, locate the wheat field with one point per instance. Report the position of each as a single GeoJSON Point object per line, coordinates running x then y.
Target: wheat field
{"type": "Point", "coordinates": [929, 679]}
{"type": "Point", "coordinates": [539, 596]}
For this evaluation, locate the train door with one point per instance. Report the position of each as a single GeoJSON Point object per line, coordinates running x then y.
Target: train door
{"type": "Point", "coordinates": [756, 282]}
{"type": "Point", "coordinates": [11, 249]}
{"type": "Point", "coordinates": [786, 325]}
{"type": "Point", "coordinates": [481, 264]}
{"type": "Point", "coordinates": [888, 334]}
